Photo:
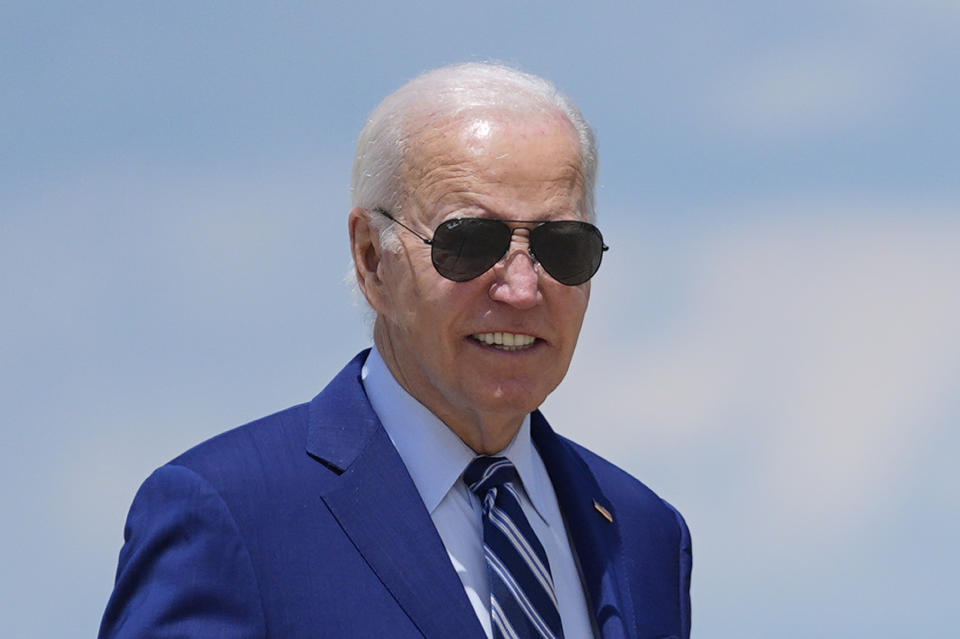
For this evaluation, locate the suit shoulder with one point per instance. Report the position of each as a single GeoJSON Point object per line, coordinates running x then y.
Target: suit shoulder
{"type": "Point", "coordinates": [622, 487]}
{"type": "Point", "coordinates": [263, 443]}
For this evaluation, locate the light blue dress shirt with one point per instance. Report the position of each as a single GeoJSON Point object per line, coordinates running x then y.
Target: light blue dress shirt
{"type": "Point", "coordinates": [436, 458]}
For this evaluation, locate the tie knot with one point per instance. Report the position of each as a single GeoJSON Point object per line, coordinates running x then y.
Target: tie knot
{"type": "Point", "coordinates": [485, 473]}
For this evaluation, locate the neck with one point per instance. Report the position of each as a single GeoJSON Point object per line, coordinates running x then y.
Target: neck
{"type": "Point", "coordinates": [485, 431]}
{"type": "Point", "coordinates": [486, 438]}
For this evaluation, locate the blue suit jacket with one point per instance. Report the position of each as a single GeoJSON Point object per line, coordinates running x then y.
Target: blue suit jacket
{"type": "Point", "coordinates": [307, 524]}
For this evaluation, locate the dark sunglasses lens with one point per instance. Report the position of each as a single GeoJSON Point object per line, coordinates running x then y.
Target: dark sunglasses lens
{"type": "Point", "coordinates": [569, 251]}
{"type": "Point", "coordinates": [466, 248]}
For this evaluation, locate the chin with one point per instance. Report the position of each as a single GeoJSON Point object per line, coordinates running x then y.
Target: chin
{"type": "Point", "coordinates": [519, 398]}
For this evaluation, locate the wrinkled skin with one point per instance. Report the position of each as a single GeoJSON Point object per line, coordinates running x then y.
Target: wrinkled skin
{"type": "Point", "coordinates": [485, 164]}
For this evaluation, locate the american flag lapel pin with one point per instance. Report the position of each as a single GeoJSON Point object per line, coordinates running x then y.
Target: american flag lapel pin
{"type": "Point", "coordinates": [603, 511]}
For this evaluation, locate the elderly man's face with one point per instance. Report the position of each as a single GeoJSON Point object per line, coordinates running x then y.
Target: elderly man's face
{"type": "Point", "coordinates": [432, 331]}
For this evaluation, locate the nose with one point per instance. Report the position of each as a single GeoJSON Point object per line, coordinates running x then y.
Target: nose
{"type": "Point", "coordinates": [517, 280]}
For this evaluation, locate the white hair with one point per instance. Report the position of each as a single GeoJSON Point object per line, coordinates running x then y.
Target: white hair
{"type": "Point", "coordinates": [441, 94]}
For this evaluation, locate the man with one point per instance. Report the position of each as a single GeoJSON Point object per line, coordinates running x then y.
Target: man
{"type": "Point", "coordinates": [421, 493]}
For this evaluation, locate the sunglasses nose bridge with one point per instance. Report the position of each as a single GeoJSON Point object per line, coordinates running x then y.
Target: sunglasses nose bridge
{"type": "Point", "coordinates": [516, 276]}
{"type": "Point", "coordinates": [520, 237]}
{"type": "Point", "coordinates": [517, 242]}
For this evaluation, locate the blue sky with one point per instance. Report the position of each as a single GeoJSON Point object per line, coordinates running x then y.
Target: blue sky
{"type": "Point", "coordinates": [772, 342]}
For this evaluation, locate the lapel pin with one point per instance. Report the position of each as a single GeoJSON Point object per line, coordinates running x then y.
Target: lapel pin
{"type": "Point", "coordinates": [603, 511]}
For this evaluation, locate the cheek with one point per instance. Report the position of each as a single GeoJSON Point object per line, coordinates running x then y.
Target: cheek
{"type": "Point", "coordinates": [572, 307]}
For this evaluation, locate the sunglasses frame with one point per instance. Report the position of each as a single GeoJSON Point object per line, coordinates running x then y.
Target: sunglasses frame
{"type": "Point", "coordinates": [536, 223]}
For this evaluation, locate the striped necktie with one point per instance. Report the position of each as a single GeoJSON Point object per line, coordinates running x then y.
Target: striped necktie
{"type": "Point", "coordinates": [523, 602]}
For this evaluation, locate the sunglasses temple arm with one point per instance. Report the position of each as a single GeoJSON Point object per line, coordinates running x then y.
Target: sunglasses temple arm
{"type": "Point", "coordinates": [387, 215]}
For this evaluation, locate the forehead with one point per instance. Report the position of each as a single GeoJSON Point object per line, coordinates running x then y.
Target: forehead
{"type": "Point", "coordinates": [483, 157]}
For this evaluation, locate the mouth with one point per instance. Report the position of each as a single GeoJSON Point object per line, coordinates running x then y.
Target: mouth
{"type": "Point", "coordinates": [505, 341]}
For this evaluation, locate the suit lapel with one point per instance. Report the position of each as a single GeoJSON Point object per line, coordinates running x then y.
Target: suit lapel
{"type": "Point", "coordinates": [379, 508]}
{"type": "Point", "coordinates": [596, 542]}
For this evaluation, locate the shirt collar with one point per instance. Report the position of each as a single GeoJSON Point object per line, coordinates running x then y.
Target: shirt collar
{"type": "Point", "coordinates": [521, 453]}
{"type": "Point", "coordinates": [434, 455]}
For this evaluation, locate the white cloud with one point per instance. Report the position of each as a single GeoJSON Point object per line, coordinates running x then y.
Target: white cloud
{"type": "Point", "coordinates": [793, 92]}
{"type": "Point", "coordinates": [862, 64]}
{"type": "Point", "coordinates": [812, 360]}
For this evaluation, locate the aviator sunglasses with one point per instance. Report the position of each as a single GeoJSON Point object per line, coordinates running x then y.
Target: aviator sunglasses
{"type": "Point", "coordinates": [467, 247]}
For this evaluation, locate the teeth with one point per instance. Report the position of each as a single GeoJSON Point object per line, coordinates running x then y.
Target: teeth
{"type": "Point", "coordinates": [506, 341]}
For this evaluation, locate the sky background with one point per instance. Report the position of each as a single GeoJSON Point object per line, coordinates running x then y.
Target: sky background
{"type": "Point", "coordinates": [773, 340]}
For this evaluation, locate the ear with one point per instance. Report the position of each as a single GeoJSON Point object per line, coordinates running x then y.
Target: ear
{"type": "Point", "coordinates": [365, 248]}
